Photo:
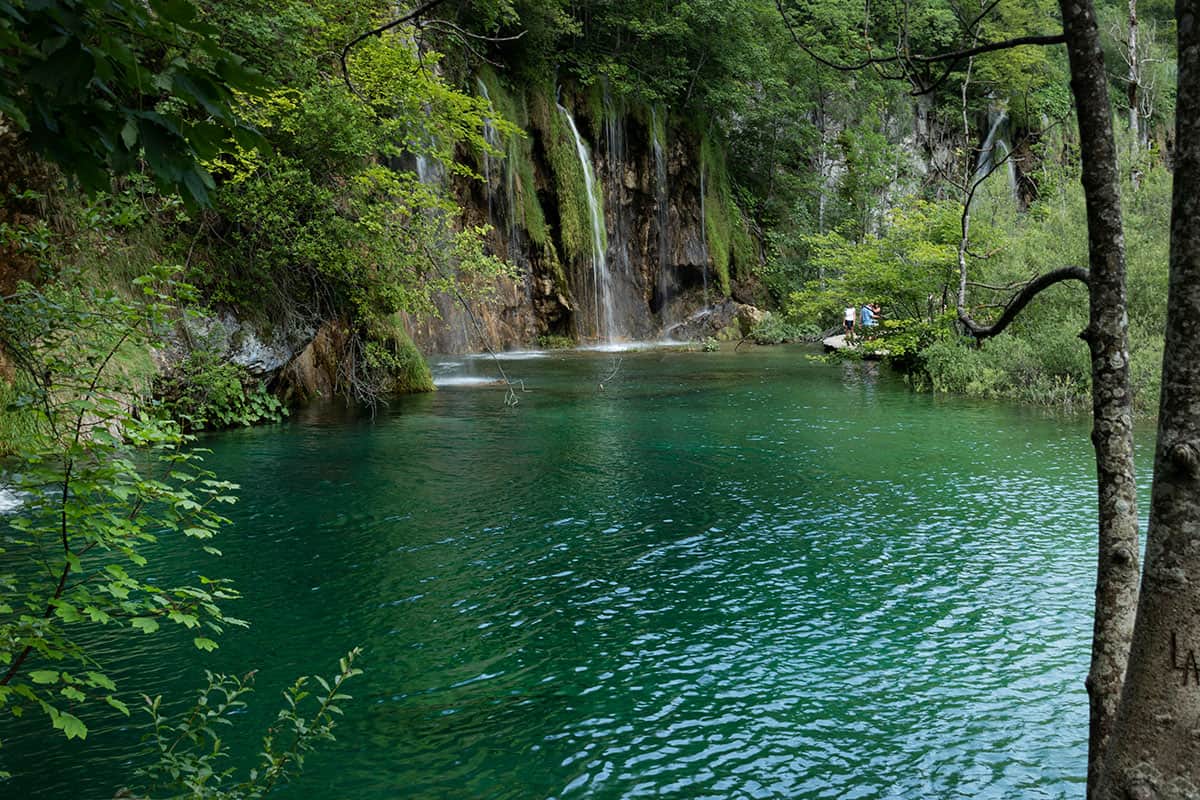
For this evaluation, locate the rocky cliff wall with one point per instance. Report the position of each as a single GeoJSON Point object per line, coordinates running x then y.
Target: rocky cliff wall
{"type": "Point", "coordinates": [652, 265]}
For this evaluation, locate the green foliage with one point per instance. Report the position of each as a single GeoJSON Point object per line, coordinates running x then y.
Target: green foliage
{"type": "Point", "coordinates": [1004, 367]}
{"type": "Point", "coordinates": [903, 342]}
{"type": "Point", "coordinates": [729, 244]}
{"type": "Point", "coordinates": [101, 484]}
{"type": "Point", "coordinates": [871, 166]}
{"type": "Point", "coordinates": [397, 366]}
{"type": "Point", "coordinates": [570, 181]}
{"type": "Point", "coordinates": [328, 224]}
{"type": "Point", "coordinates": [188, 754]}
{"type": "Point", "coordinates": [18, 424]}
{"type": "Point", "coordinates": [710, 345]}
{"type": "Point", "coordinates": [208, 392]}
{"type": "Point", "coordinates": [912, 260]}
{"type": "Point", "coordinates": [779, 329]}
{"type": "Point", "coordinates": [518, 157]}
{"type": "Point", "coordinates": [555, 342]}
{"type": "Point", "coordinates": [145, 80]}
{"type": "Point", "coordinates": [1040, 359]}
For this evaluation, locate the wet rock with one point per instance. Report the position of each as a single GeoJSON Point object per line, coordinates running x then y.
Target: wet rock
{"type": "Point", "coordinates": [726, 321]}
{"type": "Point", "coordinates": [237, 341]}
{"type": "Point", "coordinates": [313, 372]}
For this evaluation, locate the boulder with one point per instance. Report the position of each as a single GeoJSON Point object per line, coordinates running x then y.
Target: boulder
{"type": "Point", "coordinates": [261, 354]}
{"type": "Point", "coordinates": [726, 321]}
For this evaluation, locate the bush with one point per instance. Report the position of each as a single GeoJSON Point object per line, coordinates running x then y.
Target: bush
{"type": "Point", "coordinates": [1003, 367]}
{"type": "Point", "coordinates": [73, 554]}
{"type": "Point", "coordinates": [779, 329]}
{"type": "Point", "coordinates": [551, 341]}
{"type": "Point", "coordinates": [207, 392]}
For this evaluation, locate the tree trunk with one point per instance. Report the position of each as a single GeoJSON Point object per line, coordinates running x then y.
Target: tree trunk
{"type": "Point", "coordinates": [1107, 338]}
{"type": "Point", "coordinates": [1155, 747]}
{"type": "Point", "coordinates": [1135, 78]}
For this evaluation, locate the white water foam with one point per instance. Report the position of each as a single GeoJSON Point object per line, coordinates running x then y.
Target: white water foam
{"type": "Point", "coordinates": [465, 380]}
{"type": "Point", "coordinates": [512, 355]}
{"type": "Point", "coordinates": [9, 501]}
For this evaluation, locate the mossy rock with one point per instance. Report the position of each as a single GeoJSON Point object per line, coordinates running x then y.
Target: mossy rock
{"type": "Point", "coordinates": [390, 348]}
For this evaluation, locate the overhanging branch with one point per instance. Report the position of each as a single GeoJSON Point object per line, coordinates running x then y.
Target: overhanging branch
{"type": "Point", "coordinates": [1021, 299]}
{"type": "Point", "coordinates": [419, 11]}
{"type": "Point", "coordinates": [907, 59]}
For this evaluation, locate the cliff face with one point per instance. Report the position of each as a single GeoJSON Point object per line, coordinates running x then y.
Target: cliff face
{"type": "Point", "coordinates": [601, 211]}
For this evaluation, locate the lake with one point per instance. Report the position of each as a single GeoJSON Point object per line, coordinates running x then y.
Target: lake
{"type": "Point", "coordinates": [661, 573]}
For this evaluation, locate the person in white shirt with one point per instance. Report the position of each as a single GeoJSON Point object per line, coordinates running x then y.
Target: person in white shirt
{"type": "Point", "coordinates": [848, 322]}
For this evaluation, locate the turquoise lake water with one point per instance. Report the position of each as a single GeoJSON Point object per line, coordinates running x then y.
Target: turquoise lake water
{"type": "Point", "coordinates": [660, 574]}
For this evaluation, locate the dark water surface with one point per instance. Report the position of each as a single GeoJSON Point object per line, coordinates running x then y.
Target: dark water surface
{"type": "Point", "coordinates": [719, 576]}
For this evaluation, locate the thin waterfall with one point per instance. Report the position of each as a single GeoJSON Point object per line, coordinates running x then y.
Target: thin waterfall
{"type": "Point", "coordinates": [703, 234]}
{"type": "Point", "coordinates": [492, 137]}
{"type": "Point", "coordinates": [426, 172]}
{"type": "Point", "coordinates": [994, 149]}
{"type": "Point", "coordinates": [662, 199]}
{"type": "Point", "coordinates": [504, 172]}
{"type": "Point", "coordinates": [614, 137]}
{"type": "Point", "coordinates": [601, 279]}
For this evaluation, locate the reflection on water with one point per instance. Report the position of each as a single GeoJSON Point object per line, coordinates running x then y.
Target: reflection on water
{"type": "Point", "coordinates": [718, 575]}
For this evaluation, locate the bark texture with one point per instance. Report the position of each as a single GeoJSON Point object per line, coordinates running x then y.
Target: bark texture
{"type": "Point", "coordinates": [1134, 78]}
{"type": "Point", "coordinates": [1155, 748]}
{"type": "Point", "coordinates": [1108, 339]}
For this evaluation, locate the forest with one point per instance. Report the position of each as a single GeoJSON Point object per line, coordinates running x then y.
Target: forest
{"type": "Point", "coordinates": [219, 215]}
{"type": "Point", "coordinates": [823, 187]}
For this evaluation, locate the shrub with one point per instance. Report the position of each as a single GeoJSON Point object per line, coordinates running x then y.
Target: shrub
{"type": "Point", "coordinates": [552, 341]}
{"type": "Point", "coordinates": [778, 329]}
{"type": "Point", "coordinates": [206, 392]}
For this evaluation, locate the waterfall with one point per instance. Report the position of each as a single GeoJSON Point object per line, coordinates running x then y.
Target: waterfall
{"type": "Point", "coordinates": [492, 137]}
{"type": "Point", "coordinates": [427, 171]}
{"type": "Point", "coordinates": [662, 199]}
{"type": "Point", "coordinates": [994, 148]}
{"type": "Point", "coordinates": [504, 172]}
{"type": "Point", "coordinates": [703, 233]}
{"type": "Point", "coordinates": [614, 137]}
{"type": "Point", "coordinates": [601, 279]}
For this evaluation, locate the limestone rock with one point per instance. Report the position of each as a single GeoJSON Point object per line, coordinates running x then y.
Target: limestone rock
{"type": "Point", "coordinates": [313, 372]}
{"type": "Point", "coordinates": [726, 321]}
{"type": "Point", "coordinates": [262, 355]}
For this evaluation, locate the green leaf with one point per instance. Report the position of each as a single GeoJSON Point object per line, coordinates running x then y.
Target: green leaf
{"type": "Point", "coordinates": [129, 134]}
{"type": "Point", "coordinates": [145, 624]}
{"type": "Point", "coordinates": [187, 620]}
{"type": "Point", "coordinates": [101, 680]}
{"type": "Point", "coordinates": [204, 644]}
{"type": "Point", "coordinates": [117, 704]}
{"type": "Point", "coordinates": [71, 725]}
{"type": "Point", "coordinates": [44, 676]}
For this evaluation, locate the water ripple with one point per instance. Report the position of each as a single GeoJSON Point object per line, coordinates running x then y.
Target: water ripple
{"type": "Point", "coordinates": [690, 585]}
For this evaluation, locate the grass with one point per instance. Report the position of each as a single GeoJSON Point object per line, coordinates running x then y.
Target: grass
{"type": "Point", "coordinates": [18, 426]}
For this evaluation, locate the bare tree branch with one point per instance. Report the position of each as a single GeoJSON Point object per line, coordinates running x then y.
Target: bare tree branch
{"type": "Point", "coordinates": [419, 11]}
{"type": "Point", "coordinates": [1020, 300]}
{"type": "Point", "coordinates": [952, 57]}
